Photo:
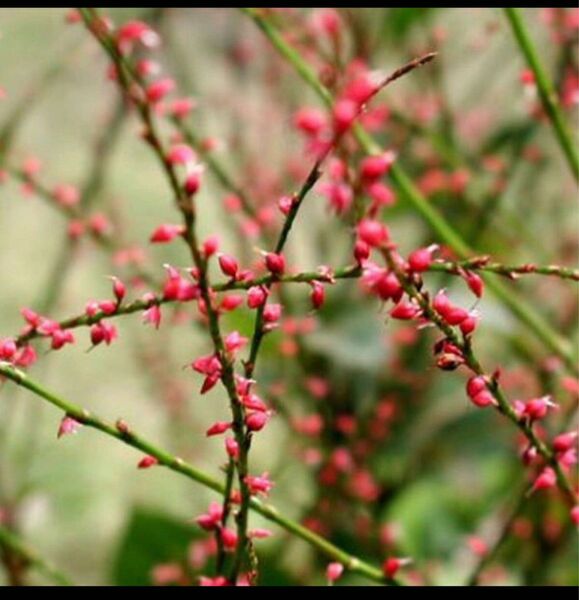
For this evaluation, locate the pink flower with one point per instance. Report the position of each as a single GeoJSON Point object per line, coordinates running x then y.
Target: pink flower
{"type": "Point", "coordinates": [405, 310]}
{"type": "Point", "coordinates": [8, 349]}
{"type": "Point", "coordinates": [218, 428]}
{"type": "Point", "coordinates": [181, 107]}
{"type": "Point", "coordinates": [334, 571]}
{"type": "Point", "coordinates": [66, 195]}
{"type": "Point", "coordinates": [311, 121]}
{"type": "Point", "coordinates": [259, 534]}
{"type": "Point", "coordinates": [340, 196]}
{"type": "Point", "coordinates": [318, 294]}
{"type": "Point", "coordinates": [147, 462]}
{"type": "Point", "coordinates": [103, 332]}
{"type": "Point", "coordinates": [194, 178]}
{"type": "Point", "coordinates": [218, 581]}
{"type": "Point", "coordinates": [210, 246]}
{"type": "Point", "coordinates": [61, 337]}
{"type": "Point", "coordinates": [136, 31]}
{"type": "Point", "coordinates": [259, 484]}
{"type": "Point", "coordinates": [256, 421]}
{"type": "Point", "coordinates": [344, 114]}
{"type": "Point", "coordinates": [166, 233]}
{"type": "Point", "coordinates": [232, 448]}
{"type": "Point", "coordinates": [392, 565]}
{"type": "Point", "coordinates": [373, 233]}
{"type": "Point", "coordinates": [546, 479]}
{"type": "Point", "coordinates": [374, 167]}
{"type": "Point", "coordinates": [421, 259]}
{"type": "Point", "coordinates": [228, 539]}
{"type": "Point", "coordinates": [275, 263]}
{"type": "Point", "coordinates": [228, 265]}
{"type": "Point", "coordinates": [234, 341]}
{"type": "Point", "coordinates": [157, 90]}
{"type": "Point", "coordinates": [272, 313]}
{"type": "Point", "coordinates": [152, 314]}
{"type": "Point", "coordinates": [67, 426]}
{"type": "Point", "coordinates": [212, 518]}
{"type": "Point", "coordinates": [256, 296]}
{"type": "Point", "coordinates": [231, 302]}
{"type": "Point", "coordinates": [119, 289]}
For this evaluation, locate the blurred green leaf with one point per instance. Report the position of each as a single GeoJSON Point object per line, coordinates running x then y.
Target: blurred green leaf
{"type": "Point", "coordinates": [150, 538]}
{"type": "Point", "coordinates": [398, 21]}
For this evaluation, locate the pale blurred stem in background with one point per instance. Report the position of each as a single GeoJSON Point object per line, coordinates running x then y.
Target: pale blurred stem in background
{"type": "Point", "coordinates": [174, 463]}
{"type": "Point", "coordinates": [471, 361]}
{"type": "Point", "coordinates": [29, 99]}
{"type": "Point", "coordinates": [27, 558]}
{"type": "Point", "coordinates": [546, 89]}
{"type": "Point", "coordinates": [15, 566]}
{"type": "Point", "coordinates": [445, 231]}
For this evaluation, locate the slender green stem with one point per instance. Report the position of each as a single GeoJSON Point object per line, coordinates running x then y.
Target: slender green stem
{"type": "Point", "coordinates": [31, 557]}
{"type": "Point", "coordinates": [445, 231]}
{"type": "Point", "coordinates": [509, 271]}
{"type": "Point", "coordinates": [258, 330]}
{"type": "Point", "coordinates": [125, 434]}
{"type": "Point", "coordinates": [546, 89]}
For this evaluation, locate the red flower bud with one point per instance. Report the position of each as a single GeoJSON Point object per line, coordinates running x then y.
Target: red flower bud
{"type": "Point", "coordinates": [374, 167]}
{"type": "Point", "coordinates": [421, 259]}
{"type": "Point", "coordinates": [373, 233]}
{"type": "Point", "coordinates": [256, 421]}
{"type": "Point", "coordinates": [256, 296]}
{"type": "Point", "coordinates": [546, 479]}
{"type": "Point", "coordinates": [232, 448]}
{"type": "Point", "coordinates": [275, 263]}
{"type": "Point", "coordinates": [218, 428]}
{"type": "Point", "coordinates": [166, 233]}
{"type": "Point", "coordinates": [310, 120]}
{"type": "Point", "coordinates": [565, 441]}
{"type": "Point", "coordinates": [361, 251]}
{"type": "Point", "coordinates": [344, 113]}
{"type": "Point", "coordinates": [147, 462]}
{"type": "Point", "coordinates": [318, 294]}
{"type": "Point", "coordinates": [157, 90]}
{"type": "Point", "coordinates": [334, 571]}
{"type": "Point", "coordinates": [228, 265]}
{"type": "Point", "coordinates": [119, 289]}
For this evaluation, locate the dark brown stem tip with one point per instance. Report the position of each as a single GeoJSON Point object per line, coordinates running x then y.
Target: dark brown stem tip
{"type": "Point", "coordinates": [413, 64]}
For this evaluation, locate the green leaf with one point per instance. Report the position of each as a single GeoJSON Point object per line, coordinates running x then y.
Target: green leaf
{"type": "Point", "coordinates": [150, 538]}
{"type": "Point", "coordinates": [398, 21]}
